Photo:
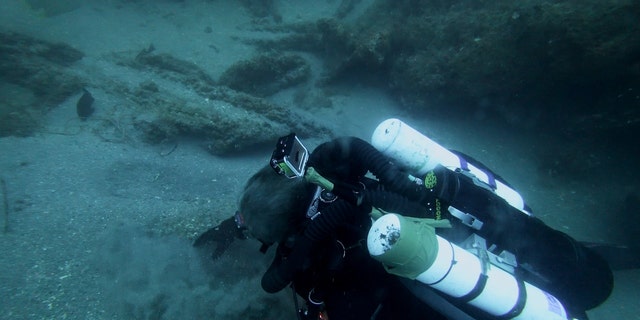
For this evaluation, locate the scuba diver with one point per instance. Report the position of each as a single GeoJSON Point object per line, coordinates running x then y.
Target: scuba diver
{"type": "Point", "coordinates": [404, 227]}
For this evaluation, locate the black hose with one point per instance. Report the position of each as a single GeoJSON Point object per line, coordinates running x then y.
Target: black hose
{"type": "Point", "coordinates": [395, 203]}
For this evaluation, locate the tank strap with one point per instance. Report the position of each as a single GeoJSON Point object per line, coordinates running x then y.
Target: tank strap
{"type": "Point", "coordinates": [520, 303]}
{"type": "Point", "coordinates": [477, 290]}
{"type": "Point", "coordinates": [491, 179]}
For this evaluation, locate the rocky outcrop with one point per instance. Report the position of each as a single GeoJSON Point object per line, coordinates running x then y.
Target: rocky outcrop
{"type": "Point", "coordinates": [513, 53]}
{"type": "Point", "coordinates": [183, 101]}
{"type": "Point", "coordinates": [225, 120]}
{"type": "Point", "coordinates": [267, 74]}
{"type": "Point", "coordinates": [519, 61]}
{"type": "Point", "coordinates": [35, 76]}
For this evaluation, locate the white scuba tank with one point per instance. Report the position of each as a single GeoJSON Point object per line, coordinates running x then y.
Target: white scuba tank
{"type": "Point", "coordinates": [409, 247]}
{"type": "Point", "coordinates": [418, 154]}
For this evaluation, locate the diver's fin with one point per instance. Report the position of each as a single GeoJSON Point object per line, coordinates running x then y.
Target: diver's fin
{"type": "Point", "coordinates": [620, 257]}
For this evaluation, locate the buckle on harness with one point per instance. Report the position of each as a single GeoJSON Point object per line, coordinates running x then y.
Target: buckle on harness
{"type": "Point", "coordinates": [466, 218]}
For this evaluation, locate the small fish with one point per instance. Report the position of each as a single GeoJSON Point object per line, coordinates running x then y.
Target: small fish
{"type": "Point", "coordinates": [84, 106]}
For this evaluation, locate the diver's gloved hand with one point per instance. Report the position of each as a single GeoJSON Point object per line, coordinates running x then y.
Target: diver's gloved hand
{"type": "Point", "coordinates": [283, 268]}
{"type": "Point", "coordinates": [277, 277]}
{"type": "Point", "coordinates": [222, 235]}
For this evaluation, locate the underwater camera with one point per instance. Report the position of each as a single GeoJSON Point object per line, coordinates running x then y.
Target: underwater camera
{"type": "Point", "coordinates": [290, 157]}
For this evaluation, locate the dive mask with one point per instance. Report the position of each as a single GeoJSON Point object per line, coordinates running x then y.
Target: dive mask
{"type": "Point", "coordinates": [290, 157]}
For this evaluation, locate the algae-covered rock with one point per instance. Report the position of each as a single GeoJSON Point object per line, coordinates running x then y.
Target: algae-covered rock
{"type": "Point", "coordinates": [35, 75]}
{"type": "Point", "coordinates": [504, 53]}
{"type": "Point", "coordinates": [172, 68]}
{"type": "Point", "coordinates": [221, 126]}
{"type": "Point", "coordinates": [267, 73]}
{"type": "Point", "coordinates": [346, 52]}
{"type": "Point", "coordinates": [514, 60]}
{"type": "Point", "coordinates": [225, 120]}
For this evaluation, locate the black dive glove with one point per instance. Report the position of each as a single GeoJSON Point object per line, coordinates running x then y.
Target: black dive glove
{"type": "Point", "coordinates": [284, 267]}
{"type": "Point", "coordinates": [222, 234]}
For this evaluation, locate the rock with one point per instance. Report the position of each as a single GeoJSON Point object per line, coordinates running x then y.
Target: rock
{"type": "Point", "coordinates": [41, 69]}
{"type": "Point", "coordinates": [534, 62]}
{"type": "Point", "coordinates": [267, 74]}
{"type": "Point", "coordinates": [173, 68]}
{"type": "Point", "coordinates": [225, 120]}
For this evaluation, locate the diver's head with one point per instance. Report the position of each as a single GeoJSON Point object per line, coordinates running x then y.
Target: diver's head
{"type": "Point", "coordinates": [272, 206]}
